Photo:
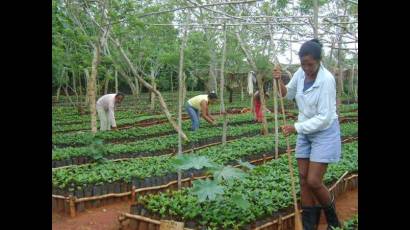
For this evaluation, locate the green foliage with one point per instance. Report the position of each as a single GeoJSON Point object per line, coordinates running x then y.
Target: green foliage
{"type": "Point", "coordinates": [160, 165]}
{"type": "Point", "coordinates": [263, 192]}
{"type": "Point", "coordinates": [351, 224]}
{"type": "Point", "coordinates": [306, 6]}
{"type": "Point", "coordinates": [206, 189]}
{"type": "Point", "coordinates": [185, 162]}
{"type": "Point", "coordinates": [227, 173]}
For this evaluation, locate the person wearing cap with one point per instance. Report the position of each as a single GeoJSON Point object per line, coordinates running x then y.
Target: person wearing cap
{"type": "Point", "coordinates": [318, 132]}
{"type": "Point", "coordinates": [105, 109]}
{"type": "Point", "coordinates": [199, 105]}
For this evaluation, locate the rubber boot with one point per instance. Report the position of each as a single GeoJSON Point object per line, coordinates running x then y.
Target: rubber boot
{"type": "Point", "coordinates": [311, 217]}
{"type": "Point", "coordinates": [331, 215]}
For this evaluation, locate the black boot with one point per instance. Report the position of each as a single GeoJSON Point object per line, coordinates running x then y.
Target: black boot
{"type": "Point", "coordinates": [331, 215]}
{"type": "Point", "coordinates": [310, 217]}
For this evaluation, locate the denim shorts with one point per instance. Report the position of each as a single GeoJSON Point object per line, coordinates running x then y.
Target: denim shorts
{"type": "Point", "coordinates": [322, 146]}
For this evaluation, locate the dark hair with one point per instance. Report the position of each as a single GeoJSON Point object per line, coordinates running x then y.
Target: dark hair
{"type": "Point", "coordinates": [212, 95]}
{"type": "Point", "coordinates": [313, 48]}
{"type": "Point", "coordinates": [120, 94]}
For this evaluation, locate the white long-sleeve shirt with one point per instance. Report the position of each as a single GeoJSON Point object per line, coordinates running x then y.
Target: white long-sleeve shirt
{"type": "Point", "coordinates": [107, 102]}
{"type": "Point", "coordinates": [317, 105]}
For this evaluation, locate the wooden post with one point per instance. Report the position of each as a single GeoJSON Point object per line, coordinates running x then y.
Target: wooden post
{"type": "Point", "coordinates": [71, 200]}
{"type": "Point", "coordinates": [133, 195]}
{"type": "Point", "coordinates": [263, 103]}
{"type": "Point", "coordinates": [351, 91]}
{"type": "Point", "coordinates": [264, 158]}
{"type": "Point", "coordinates": [191, 179]}
{"type": "Point", "coordinates": [225, 123]}
{"type": "Point", "coordinates": [298, 219]}
{"type": "Point", "coordinates": [181, 98]}
{"type": "Point", "coordinates": [280, 222]}
{"type": "Point", "coordinates": [152, 94]}
{"type": "Point", "coordinates": [116, 81]}
{"type": "Point", "coordinates": [172, 88]}
{"type": "Point", "coordinates": [275, 109]}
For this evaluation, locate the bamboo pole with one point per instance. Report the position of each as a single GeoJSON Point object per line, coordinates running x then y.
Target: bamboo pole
{"type": "Point", "coordinates": [275, 108]}
{"type": "Point", "coordinates": [138, 217]}
{"type": "Point", "coordinates": [339, 180]}
{"type": "Point", "coordinates": [222, 87]}
{"type": "Point", "coordinates": [181, 98]}
{"type": "Point", "coordinates": [298, 220]}
{"type": "Point", "coordinates": [275, 93]}
{"type": "Point", "coordinates": [132, 194]}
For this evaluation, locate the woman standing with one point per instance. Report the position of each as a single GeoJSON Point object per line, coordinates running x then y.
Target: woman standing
{"type": "Point", "coordinates": [318, 142]}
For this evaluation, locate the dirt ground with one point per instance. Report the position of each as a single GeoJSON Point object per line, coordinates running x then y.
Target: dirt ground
{"type": "Point", "coordinates": [346, 207]}
{"type": "Point", "coordinates": [105, 218]}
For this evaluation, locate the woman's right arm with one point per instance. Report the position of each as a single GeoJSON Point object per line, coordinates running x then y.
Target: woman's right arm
{"type": "Point", "coordinates": [205, 114]}
{"type": "Point", "coordinates": [289, 90]}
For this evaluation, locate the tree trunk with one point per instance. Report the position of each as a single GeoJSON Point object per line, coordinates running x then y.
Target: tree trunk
{"type": "Point", "coordinates": [184, 88]}
{"type": "Point", "coordinates": [74, 85]}
{"type": "Point", "coordinates": [129, 82]}
{"type": "Point", "coordinates": [106, 85]}
{"type": "Point", "coordinates": [87, 77]}
{"type": "Point", "coordinates": [116, 81]}
{"type": "Point", "coordinates": [171, 85]}
{"type": "Point", "coordinates": [137, 87]}
{"type": "Point", "coordinates": [230, 95]}
{"type": "Point", "coordinates": [58, 93]}
{"type": "Point", "coordinates": [97, 85]}
{"type": "Point", "coordinates": [351, 88]}
{"type": "Point", "coordinates": [222, 86]}
{"type": "Point", "coordinates": [275, 109]}
{"type": "Point", "coordinates": [340, 77]}
{"type": "Point", "coordinates": [315, 18]}
{"type": "Point", "coordinates": [80, 85]}
{"type": "Point", "coordinates": [152, 95]}
{"type": "Point", "coordinates": [147, 85]}
{"type": "Point", "coordinates": [69, 97]}
{"type": "Point", "coordinates": [331, 53]}
{"type": "Point", "coordinates": [213, 83]}
{"type": "Point", "coordinates": [356, 82]}
{"type": "Point", "coordinates": [91, 87]}
{"type": "Point", "coordinates": [181, 97]}
{"type": "Point", "coordinates": [263, 104]}
{"type": "Point", "coordinates": [242, 95]}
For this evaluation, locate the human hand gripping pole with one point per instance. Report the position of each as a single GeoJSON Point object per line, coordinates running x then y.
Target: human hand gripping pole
{"type": "Point", "coordinates": [298, 219]}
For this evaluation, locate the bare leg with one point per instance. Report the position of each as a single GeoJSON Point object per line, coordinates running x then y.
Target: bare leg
{"type": "Point", "coordinates": [315, 182]}
{"type": "Point", "coordinates": [307, 197]}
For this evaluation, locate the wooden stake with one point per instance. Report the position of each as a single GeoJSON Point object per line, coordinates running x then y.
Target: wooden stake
{"type": "Point", "coordinates": [133, 194]}
{"type": "Point", "coordinates": [275, 110]}
{"type": "Point", "coordinates": [298, 219]}
{"type": "Point", "coordinates": [72, 206]}
{"type": "Point", "coordinates": [280, 222]}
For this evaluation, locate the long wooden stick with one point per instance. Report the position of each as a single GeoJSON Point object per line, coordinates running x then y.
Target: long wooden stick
{"type": "Point", "coordinates": [298, 219]}
{"type": "Point", "coordinates": [275, 108]}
